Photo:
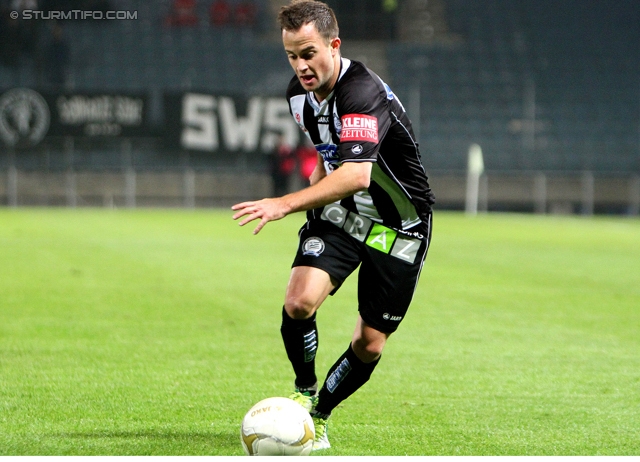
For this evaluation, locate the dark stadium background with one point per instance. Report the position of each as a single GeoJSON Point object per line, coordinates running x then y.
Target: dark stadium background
{"type": "Point", "coordinates": [152, 110]}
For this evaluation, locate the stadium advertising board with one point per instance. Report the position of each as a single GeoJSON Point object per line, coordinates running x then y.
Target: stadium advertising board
{"type": "Point", "coordinates": [227, 124]}
{"type": "Point", "coordinates": [28, 116]}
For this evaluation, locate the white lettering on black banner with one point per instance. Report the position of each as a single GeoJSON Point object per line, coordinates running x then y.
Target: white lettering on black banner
{"type": "Point", "coordinates": [211, 123]}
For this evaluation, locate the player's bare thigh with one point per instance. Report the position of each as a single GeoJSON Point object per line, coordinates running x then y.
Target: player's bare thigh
{"type": "Point", "coordinates": [308, 287]}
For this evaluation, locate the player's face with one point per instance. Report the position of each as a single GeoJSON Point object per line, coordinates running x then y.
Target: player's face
{"type": "Point", "coordinates": [316, 62]}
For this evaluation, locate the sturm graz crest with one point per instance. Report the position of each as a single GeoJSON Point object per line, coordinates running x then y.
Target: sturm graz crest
{"type": "Point", "coordinates": [24, 117]}
{"type": "Point", "coordinates": [313, 246]}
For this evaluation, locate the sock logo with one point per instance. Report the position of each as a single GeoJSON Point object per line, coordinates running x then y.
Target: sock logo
{"type": "Point", "coordinates": [338, 375]}
{"type": "Point", "coordinates": [310, 346]}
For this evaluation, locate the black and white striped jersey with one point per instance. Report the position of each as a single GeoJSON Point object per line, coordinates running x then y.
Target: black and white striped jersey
{"type": "Point", "coordinates": [363, 121]}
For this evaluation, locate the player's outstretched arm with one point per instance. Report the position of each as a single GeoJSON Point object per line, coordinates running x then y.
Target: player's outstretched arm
{"type": "Point", "coordinates": [350, 178]}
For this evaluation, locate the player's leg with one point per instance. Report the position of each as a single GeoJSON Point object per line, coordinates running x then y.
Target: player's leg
{"type": "Point", "coordinates": [308, 287]}
{"type": "Point", "coordinates": [350, 372]}
{"type": "Point", "coordinates": [386, 284]}
{"type": "Point", "coordinates": [385, 289]}
{"type": "Point", "coordinates": [353, 369]}
{"type": "Point", "coordinates": [324, 259]}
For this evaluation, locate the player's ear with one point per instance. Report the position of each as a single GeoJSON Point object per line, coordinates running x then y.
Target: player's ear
{"type": "Point", "coordinates": [335, 46]}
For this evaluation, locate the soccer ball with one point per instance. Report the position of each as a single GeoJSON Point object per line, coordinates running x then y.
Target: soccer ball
{"type": "Point", "coordinates": [277, 427]}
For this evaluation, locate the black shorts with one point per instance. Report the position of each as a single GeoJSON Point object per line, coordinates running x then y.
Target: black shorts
{"type": "Point", "coordinates": [390, 260]}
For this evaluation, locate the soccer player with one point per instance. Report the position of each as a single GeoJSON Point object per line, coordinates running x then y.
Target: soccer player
{"type": "Point", "coordinates": [369, 204]}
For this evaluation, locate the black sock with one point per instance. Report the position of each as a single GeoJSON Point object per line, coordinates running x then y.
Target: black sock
{"type": "Point", "coordinates": [347, 375]}
{"type": "Point", "coordinates": [300, 338]}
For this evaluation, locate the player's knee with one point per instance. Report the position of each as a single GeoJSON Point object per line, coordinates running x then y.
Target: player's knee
{"type": "Point", "coordinates": [367, 351]}
{"type": "Point", "coordinates": [299, 307]}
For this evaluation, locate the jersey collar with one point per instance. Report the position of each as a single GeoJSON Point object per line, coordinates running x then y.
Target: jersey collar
{"type": "Point", "coordinates": [319, 108]}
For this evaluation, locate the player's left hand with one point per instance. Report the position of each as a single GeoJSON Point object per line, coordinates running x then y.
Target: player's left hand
{"type": "Point", "coordinates": [265, 210]}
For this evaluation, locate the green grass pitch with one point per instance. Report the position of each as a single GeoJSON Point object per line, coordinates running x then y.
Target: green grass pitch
{"type": "Point", "coordinates": [152, 332]}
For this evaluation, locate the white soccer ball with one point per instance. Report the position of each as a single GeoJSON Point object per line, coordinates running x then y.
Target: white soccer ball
{"type": "Point", "coordinates": [277, 427]}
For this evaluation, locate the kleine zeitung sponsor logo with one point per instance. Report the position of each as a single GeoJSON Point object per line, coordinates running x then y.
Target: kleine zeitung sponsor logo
{"type": "Point", "coordinates": [359, 127]}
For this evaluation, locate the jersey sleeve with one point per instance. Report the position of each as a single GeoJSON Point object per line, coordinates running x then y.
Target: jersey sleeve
{"type": "Point", "coordinates": [364, 119]}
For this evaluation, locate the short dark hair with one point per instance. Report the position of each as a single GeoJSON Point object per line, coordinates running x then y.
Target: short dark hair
{"type": "Point", "coordinates": [300, 12]}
